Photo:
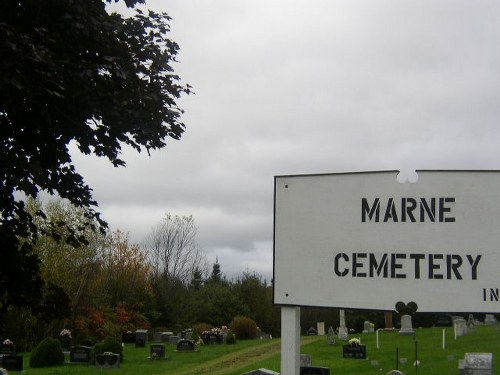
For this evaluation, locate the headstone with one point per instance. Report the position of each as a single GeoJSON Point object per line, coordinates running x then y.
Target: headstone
{"type": "Point", "coordinates": [128, 337]}
{"type": "Point", "coordinates": [444, 321]}
{"type": "Point", "coordinates": [306, 360]}
{"type": "Point", "coordinates": [157, 351]}
{"type": "Point", "coordinates": [8, 349]}
{"type": "Point", "coordinates": [403, 361]}
{"type": "Point", "coordinates": [12, 362]}
{"type": "Point", "coordinates": [368, 327]}
{"type": "Point", "coordinates": [490, 319]}
{"type": "Point", "coordinates": [314, 370]}
{"type": "Point", "coordinates": [460, 327]}
{"type": "Point", "coordinates": [354, 351]}
{"type": "Point", "coordinates": [406, 326]}
{"type": "Point", "coordinates": [107, 360]}
{"type": "Point", "coordinates": [141, 338]}
{"type": "Point", "coordinates": [79, 354]}
{"type": "Point", "coordinates": [320, 326]}
{"type": "Point", "coordinates": [157, 337]}
{"type": "Point", "coordinates": [476, 364]}
{"type": "Point", "coordinates": [262, 371]}
{"type": "Point", "coordinates": [185, 346]}
{"type": "Point", "coordinates": [395, 372]}
{"type": "Point", "coordinates": [173, 339]}
{"type": "Point", "coordinates": [331, 336]}
{"type": "Point", "coordinates": [165, 336]}
{"type": "Point", "coordinates": [343, 332]}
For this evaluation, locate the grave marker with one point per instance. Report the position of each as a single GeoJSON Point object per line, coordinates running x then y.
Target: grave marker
{"type": "Point", "coordinates": [476, 364]}
{"type": "Point", "coordinates": [107, 360]}
{"type": "Point", "coordinates": [185, 346]}
{"type": "Point", "coordinates": [79, 354]}
{"type": "Point", "coordinates": [12, 362]}
{"type": "Point", "coordinates": [141, 338]}
{"type": "Point", "coordinates": [157, 351]}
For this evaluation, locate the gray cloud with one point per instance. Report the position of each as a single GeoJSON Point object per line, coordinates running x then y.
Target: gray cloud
{"type": "Point", "coordinates": [308, 87]}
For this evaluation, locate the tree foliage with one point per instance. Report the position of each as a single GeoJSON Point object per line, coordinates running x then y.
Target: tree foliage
{"type": "Point", "coordinates": [71, 73]}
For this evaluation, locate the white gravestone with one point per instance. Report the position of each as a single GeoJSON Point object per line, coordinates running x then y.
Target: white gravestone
{"type": "Point", "coordinates": [320, 326]}
{"type": "Point", "coordinates": [406, 326]}
{"type": "Point", "coordinates": [343, 333]}
{"type": "Point", "coordinates": [460, 327]}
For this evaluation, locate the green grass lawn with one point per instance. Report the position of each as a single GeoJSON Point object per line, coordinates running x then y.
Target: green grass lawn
{"type": "Point", "coordinates": [249, 355]}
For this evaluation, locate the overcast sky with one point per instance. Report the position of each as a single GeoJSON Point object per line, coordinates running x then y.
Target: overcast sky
{"type": "Point", "coordinates": [300, 87]}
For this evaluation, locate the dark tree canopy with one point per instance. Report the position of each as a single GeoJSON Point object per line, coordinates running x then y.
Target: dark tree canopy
{"type": "Point", "coordinates": [72, 73]}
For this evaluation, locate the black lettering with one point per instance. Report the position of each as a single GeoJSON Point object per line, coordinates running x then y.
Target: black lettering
{"type": "Point", "coordinates": [397, 266]}
{"type": "Point", "coordinates": [433, 266]}
{"type": "Point", "coordinates": [390, 211]}
{"type": "Point", "coordinates": [379, 267]}
{"type": "Point", "coordinates": [453, 263]}
{"type": "Point", "coordinates": [356, 264]}
{"type": "Point", "coordinates": [366, 209]}
{"type": "Point", "coordinates": [443, 209]}
{"type": "Point", "coordinates": [474, 264]}
{"type": "Point", "coordinates": [417, 258]}
{"type": "Point", "coordinates": [336, 267]}
{"type": "Point", "coordinates": [424, 208]}
{"type": "Point", "coordinates": [407, 207]}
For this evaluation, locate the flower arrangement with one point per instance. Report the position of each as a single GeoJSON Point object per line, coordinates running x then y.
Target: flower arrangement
{"type": "Point", "coordinates": [354, 341]}
{"type": "Point", "coordinates": [65, 333]}
{"type": "Point", "coordinates": [7, 342]}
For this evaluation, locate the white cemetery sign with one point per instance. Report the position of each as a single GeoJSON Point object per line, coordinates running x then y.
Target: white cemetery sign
{"type": "Point", "coordinates": [365, 240]}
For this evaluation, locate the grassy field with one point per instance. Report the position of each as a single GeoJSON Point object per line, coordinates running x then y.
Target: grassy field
{"type": "Point", "coordinates": [249, 355]}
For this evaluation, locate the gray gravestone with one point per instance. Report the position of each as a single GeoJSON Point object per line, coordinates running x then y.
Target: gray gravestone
{"type": "Point", "coordinates": [173, 339]}
{"type": "Point", "coordinates": [306, 360]}
{"type": "Point", "coordinates": [343, 333]}
{"type": "Point", "coordinates": [331, 336]}
{"type": "Point", "coordinates": [406, 326]}
{"type": "Point", "coordinates": [141, 338]}
{"type": "Point", "coordinates": [476, 364]}
{"type": "Point", "coordinates": [368, 327]}
{"type": "Point", "coordinates": [490, 319]}
{"type": "Point", "coordinates": [460, 327]}
{"type": "Point", "coordinates": [185, 346]}
{"type": "Point", "coordinates": [157, 351]}
{"type": "Point", "coordinates": [107, 360]}
{"type": "Point", "coordinates": [80, 354]}
{"type": "Point", "coordinates": [165, 336]}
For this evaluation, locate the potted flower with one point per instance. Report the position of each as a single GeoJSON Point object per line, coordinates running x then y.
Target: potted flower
{"type": "Point", "coordinates": [354, 341]}
{"type": "Point", "coordinates": [8, 347]}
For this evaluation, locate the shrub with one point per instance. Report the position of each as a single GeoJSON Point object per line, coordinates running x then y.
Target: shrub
{"type": "Point", "coordinates": [110, 344]}
{"type": "Point", "coordinates": [47, 353]}
{"type": "Point", "coordinates": [243, 327]}
{"type": "Point", "coordinates": [230, 338]}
